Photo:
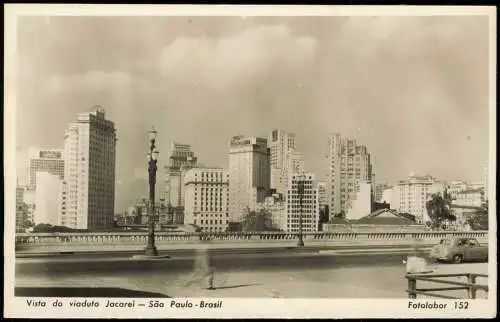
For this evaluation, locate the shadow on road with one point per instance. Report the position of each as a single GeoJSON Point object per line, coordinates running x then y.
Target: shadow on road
{"type": "Point", "coordinates": [235, 286]}
{"type": "Point", "coordinates": [82, 292]}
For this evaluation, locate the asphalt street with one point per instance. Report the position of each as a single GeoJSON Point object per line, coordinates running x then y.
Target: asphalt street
{"type": "Point", "coordinates": [213, 251]}
{"type": "Point", "coordinates": [337, 273]}
{"type": "Point", "coordinates": [125, 265]}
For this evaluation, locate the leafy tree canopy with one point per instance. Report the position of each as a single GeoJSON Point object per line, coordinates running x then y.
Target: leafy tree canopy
{"type": "Point", "coordinates": [48, 228]}
{"type": "Point", "coordinates": [479, 219]}
{"type": "Point", "coordinates": [256, 220]}
{"type": "Point", "coordinates": [438, 209]}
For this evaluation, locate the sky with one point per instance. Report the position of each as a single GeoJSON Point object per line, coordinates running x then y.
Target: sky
{"type": "Point", "coordinates": [414, 90]}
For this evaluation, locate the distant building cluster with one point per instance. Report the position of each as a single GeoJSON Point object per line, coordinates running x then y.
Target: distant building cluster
{"type": "Point", "coordinates": [410, 196]}
{"type": "Point", "coordinates": [75, 186]}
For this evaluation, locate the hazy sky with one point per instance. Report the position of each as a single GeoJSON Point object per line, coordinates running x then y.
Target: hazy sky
{"type": "Point", "coordinates": [414, 90]}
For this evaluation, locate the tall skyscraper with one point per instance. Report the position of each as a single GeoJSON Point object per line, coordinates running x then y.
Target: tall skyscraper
{"type": "Point", "coordinates": [90, 151]}
{"type": "Point", "coordinates": [207, 198]}
{"type": "Point", "coordinates": [310, 205]}
{"type": "Point", "coordinates": [280, 144]}
{"type": "Point", "coordinates": [44, 160]}
{"type": "Point", "coordinates": [182, 158]}
{"type": "Point", "coordinates": [249, 174]}
{"type": "Point", "coordinates": [350, 164]}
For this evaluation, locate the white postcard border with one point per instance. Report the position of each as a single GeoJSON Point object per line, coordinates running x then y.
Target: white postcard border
{"type": "Point", "coordinates": [232, 308]}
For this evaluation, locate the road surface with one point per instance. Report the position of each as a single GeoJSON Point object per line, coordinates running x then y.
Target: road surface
{"type": "Point", "coordinates": [280, 261]}
{"type": "Point", "coordinates": [174, 246]}
{"type": "Point", "coordinates": [213, 249]}
{"type": "Point", "coordinates": [352, 276]}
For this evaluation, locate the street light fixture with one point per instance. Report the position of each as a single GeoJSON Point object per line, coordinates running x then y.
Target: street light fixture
{"type": "Point", "coordinates": [300, 189]}
{"type": "Point", "coordinates": [153, 154]}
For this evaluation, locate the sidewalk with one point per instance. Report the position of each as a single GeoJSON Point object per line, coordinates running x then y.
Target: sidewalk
{"type": "Point", "coordinates": [355, 282]}
{"type": "Point", "coordinates": [351, 251]}
{"type": "Point", "coordinates": [352, 282]}
{"type": "Point", "coordinates": [435, 269]}
{"type": "Point", "coordinates": [162, 247]}
{"type": "Point", "coordinates": [289, 285]}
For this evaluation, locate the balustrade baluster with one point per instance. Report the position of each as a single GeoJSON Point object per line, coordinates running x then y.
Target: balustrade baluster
{"type": "Point", "coordinates": [131, 237]}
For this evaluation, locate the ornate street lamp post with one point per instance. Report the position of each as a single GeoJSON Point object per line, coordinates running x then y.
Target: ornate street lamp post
{"type": "Point", "coordinates": [152, 168]}
{"type": "Point", "coordinates": [300, 190]}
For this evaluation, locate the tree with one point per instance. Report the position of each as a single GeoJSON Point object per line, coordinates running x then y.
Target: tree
{"type": "Point", "coordinates": [233, 226]}
{"type": "Point", "coordinates": [438, 209]}
{"type": "Point", "coordinates": [479, 220]}
{"type": "Point", "coordinates": [256, 220]}
{"type": "Point", "coordinates": [48, 228]}
{"type": "Point", "coordinates": [28, 224]}
{"type": "Point", "coordinates": [340, 215]}
{"type": "Point", "coordinates": [323, 217]}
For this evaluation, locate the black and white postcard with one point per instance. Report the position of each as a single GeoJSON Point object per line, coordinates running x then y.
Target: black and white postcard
{"type": "Point", "coordinates": [211, 161]}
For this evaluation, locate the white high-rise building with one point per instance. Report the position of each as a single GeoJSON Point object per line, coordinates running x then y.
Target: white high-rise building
{"type": "Point", "coordinates": [90, 151]}
{"type": "Point", "coordinates": [48, 199]}
{"type": "Point", "coordinates": [280, 144]}
{"type": "Point", "coordinates": [350, 164]}
{"type": "Point", "coordinates": [249, 175]}
{"type": "Point", "coordinates": [207, 198]}
{"type": "Point", "coordinates": [413, 195]}
{"type": "Point", "coordinates": [310, 205]}
{"type": "Point", "coordinates": [361, 205]}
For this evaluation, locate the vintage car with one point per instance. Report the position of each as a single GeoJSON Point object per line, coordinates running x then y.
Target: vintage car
{"type": "Point", "coordinates": [458, 250]}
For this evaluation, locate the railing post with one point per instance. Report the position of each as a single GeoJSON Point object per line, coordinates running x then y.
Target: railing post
{"type": "Point", "coordinates": [412, 287]}
{"type": "Point", "coordinates": [471, 290]}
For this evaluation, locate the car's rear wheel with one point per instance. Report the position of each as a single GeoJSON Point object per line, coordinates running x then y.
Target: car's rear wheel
{"type": "Point", "coordinates": [457, 259]}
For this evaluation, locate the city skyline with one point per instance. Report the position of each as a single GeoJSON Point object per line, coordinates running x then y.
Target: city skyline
{"type": "Point", "coordinates": [315, 91]}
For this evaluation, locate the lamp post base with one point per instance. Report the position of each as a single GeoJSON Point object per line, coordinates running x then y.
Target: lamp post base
{"type": "Point", "coordinates": [147, 257]}
{"type": "Point", "coordinates": [151, 251]}
{"type": "Point", "coordinates": [300, 243]}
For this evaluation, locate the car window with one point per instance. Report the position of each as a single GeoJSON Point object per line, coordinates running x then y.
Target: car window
{"type": "Point", "coordinates": [445, 242]}
{"type": "Point", "coordinates": [461, 242]}
{"type": "Point", "coordinates": [473, 243]}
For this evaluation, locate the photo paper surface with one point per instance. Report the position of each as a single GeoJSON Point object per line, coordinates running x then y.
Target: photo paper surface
{"type": "Point", "coordinates": [249, 161]}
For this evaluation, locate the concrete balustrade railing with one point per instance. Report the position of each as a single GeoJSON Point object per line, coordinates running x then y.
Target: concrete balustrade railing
{"type": "Point", "coordinates": [121, 238]}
